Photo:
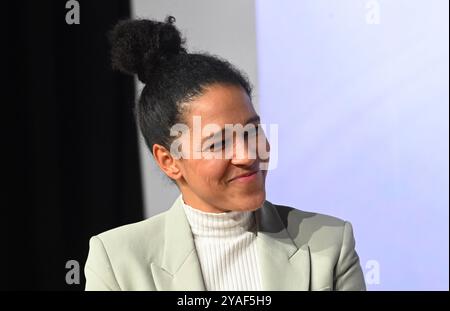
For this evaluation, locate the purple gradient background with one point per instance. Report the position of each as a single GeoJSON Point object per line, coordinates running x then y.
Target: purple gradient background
{"type": "Point", "coordinates": [363, 114]}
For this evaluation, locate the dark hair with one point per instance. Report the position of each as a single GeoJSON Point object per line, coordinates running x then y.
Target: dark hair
{"type": "Point", "coordinates": [155, 52]}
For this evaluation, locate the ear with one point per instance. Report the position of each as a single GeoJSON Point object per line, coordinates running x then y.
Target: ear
{"type": "Point", "coordinates": [166, 162]}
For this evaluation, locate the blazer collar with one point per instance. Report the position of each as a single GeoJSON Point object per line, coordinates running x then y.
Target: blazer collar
{"type": "Point", "coordinates": [283, 265]}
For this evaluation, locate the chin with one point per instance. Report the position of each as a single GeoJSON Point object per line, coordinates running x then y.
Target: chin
{"type": "Point", "coordinates": [252, 202]}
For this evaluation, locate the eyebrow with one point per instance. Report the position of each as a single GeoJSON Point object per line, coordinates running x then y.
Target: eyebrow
{"type": "Point", "coordinates": [253, 119]}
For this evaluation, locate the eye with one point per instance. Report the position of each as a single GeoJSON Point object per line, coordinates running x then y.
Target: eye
{"type": "Point", "coordinates": [219, 146]}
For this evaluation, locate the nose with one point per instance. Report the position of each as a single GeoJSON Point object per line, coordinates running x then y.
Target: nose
{"type": "Point", "coordinates": [244, 154]}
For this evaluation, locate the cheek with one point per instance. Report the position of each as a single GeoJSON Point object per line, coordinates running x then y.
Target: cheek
{"type": "Point", "coordinates": [211, 172]}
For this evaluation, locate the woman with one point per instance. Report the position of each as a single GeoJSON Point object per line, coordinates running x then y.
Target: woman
{"type": "Point", "coordinates": [221, 233]}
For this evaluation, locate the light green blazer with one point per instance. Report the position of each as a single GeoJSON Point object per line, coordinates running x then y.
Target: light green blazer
{"type": "Point", "coordinates": [296, 250]}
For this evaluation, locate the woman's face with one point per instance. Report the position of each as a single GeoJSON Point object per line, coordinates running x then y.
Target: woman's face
{"type": "Point", "coordinates": [210, 184]}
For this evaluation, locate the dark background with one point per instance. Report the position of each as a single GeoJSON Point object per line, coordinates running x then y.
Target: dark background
{"type": "Point", "coordinates": [71, 166]}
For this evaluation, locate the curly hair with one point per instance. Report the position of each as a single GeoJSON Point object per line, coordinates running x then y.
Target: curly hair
{"type": "Point", "coordinates": [155, 52]}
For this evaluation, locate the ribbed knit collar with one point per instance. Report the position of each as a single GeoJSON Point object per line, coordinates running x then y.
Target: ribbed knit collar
{"type": "Point", "coordinates": [227, 224]}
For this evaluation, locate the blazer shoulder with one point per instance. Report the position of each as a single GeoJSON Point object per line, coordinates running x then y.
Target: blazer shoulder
{"type": "Point", "coordinates": [314, 229]}
{"type": "Point", "coordinates": [120, 257]}
{"type": "Point", "coordinates": [135, 238]}
{"type": "Point", "coordinates": [150, 225]}
{"type": "Point", "coordinates": [331, 244]}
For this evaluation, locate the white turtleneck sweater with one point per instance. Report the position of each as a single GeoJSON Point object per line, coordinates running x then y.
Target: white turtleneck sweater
{"type": "Point", "coordinates": [226, 248]}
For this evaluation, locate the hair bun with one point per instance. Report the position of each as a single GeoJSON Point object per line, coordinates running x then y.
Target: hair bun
{"type": "Point", "coordinates": [138, 46]}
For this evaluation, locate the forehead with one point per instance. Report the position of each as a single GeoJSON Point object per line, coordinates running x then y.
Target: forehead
{"type": "Point", "coordinates": [222, 104]}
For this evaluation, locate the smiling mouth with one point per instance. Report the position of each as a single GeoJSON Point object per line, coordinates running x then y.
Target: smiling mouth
{"type": "Point", "coordinates": [246, 177]}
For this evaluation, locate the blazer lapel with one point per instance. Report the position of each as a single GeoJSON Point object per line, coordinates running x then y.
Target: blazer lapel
{"type": "Point", "coordinates": [180, 268]}
{"type": "Point", "coordinates": [283, 265]}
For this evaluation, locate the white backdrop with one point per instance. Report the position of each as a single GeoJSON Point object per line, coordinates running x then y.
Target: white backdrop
{"type": "Point", "coordinates": [363, 109]}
